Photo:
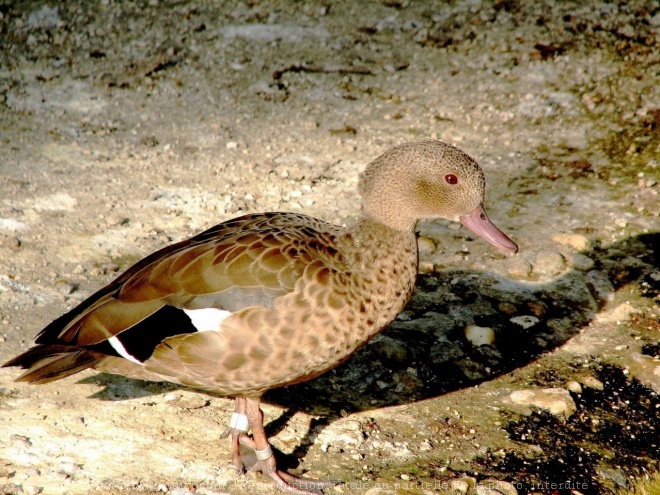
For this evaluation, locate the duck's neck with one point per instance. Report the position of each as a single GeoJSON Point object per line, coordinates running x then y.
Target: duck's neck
{"type": "Point", "coordinates": [398, 221]}
{"type": "Point", "coordinates": [373, 239]}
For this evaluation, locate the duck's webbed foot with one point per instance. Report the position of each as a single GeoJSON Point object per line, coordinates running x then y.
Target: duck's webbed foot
{"type": "Point", "coordinates": [255, 453]}
{"type": "Point", "coordinates": [286, 482]}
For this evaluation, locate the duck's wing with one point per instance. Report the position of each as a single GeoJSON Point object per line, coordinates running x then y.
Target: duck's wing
{"type": "Point", "coordinates": [248, 261]}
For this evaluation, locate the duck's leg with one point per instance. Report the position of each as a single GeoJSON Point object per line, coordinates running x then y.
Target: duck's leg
{"type": "Point", "coordinates": [238, 428]}
{"type": "Point", "coordinates": [266, 460]}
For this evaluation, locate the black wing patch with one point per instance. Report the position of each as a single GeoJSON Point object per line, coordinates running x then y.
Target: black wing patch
{"type": "Point", "coordinates": [141, 339]}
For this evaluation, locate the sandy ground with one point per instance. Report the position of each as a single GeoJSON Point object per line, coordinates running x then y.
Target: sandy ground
{"type": "Point", "coordinates": [125, 126]}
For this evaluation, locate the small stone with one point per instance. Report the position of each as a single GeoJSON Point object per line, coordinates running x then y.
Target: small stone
{"type": "Point", "coordinates": [425, 446]}
{"type": "Point", "coordinates": [601, 285]}
{"type": "Point", "coordinates": [538, 308]}
{"type": "Point", "coordinates": [231, 145]}
{"type": "Point", "coordinates": [479, 335]}
{"type": "Point", "coordinates": [69, 467]}
{"type": "Point", "coordinates": [582, 262]}
{"type": "Point", "coordinates": [389, 349]}
{"type": "Point", "coordinates": [405, 477]}
{"type": "Point", "coordinates": [426, 267]}
{"type": "Point", "coordinates": [462, 485]}
{"type": "Point", "coordinates": [10, 241]}
{"type": "Point", "coordinates": [96, 271]}
{"type": "Point", "coordinates": [592, 382]}
{"type": "Point", "coordinates": [549, 263]}
{"type": "Point", "coordinates": [20, 441]}
{"type": "Point", "coordinates": [78, 270]}
{"type": "Point", "coordinates": [525, 321]}
{"type": "Point", "coordinates": [555, 400]}
{"type": "Point", "coordinates": [519, 268]}
{"type": "Point", "coordinates": [576, 241]}
{"type": "Point", "coordinates": [573, 386]}
{"type": "Point", "coordinates": [66, 288]}
{"type": "Point", "coordinates": [507, 308]}
{"type": "Point", "coordinates": [114, 220]}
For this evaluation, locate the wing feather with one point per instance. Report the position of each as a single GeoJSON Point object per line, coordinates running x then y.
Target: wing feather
{"type": "Point", "coordinates": [252, 259]}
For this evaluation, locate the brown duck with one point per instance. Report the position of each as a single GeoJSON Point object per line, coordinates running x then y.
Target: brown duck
{"type": "Point", "coordinates": [268, 299]}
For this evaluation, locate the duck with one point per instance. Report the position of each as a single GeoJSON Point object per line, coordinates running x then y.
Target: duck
{"type": "Point", "coordinates": [271, 299]}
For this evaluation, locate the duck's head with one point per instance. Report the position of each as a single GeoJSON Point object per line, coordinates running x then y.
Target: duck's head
{"type": "Point", "coordinates": [428, 179]}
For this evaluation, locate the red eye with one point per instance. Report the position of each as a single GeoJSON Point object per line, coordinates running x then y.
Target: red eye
{"type": "Point", "coordinates": [451, 179]}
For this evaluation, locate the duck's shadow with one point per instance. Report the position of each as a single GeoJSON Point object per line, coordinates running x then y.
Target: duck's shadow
{"type": "Point", "coordinates": [426, 353]}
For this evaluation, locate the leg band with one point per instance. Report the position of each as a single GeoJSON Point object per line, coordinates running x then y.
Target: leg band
{"type": "Point", "coordinates": [239, 422]}
{"type": "Point", "coordinates": [262, 455]}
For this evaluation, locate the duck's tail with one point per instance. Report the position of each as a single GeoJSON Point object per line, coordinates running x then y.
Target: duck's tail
{"type": "Point", "coordinates": [46, 363]}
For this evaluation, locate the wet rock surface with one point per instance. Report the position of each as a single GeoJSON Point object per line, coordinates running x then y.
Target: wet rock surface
{"type": "Point", "coordinates": [126, 126]}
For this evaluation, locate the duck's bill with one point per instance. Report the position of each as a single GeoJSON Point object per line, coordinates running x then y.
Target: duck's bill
{"type": "Point", "coordinates": [478, 222]}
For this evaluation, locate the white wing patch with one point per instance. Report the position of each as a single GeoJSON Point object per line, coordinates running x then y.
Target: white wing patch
{"type": "Point", "coordinates": [121, 350]}
{"type": "Point", "coordinates": [207, 318]}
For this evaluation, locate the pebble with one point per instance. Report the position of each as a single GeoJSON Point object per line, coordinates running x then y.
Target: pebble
{"type": "Point", "coordinates": [574, 386]}
{"type": "Point", "coordinates": [582, 262]}
{"type": "Point", "coordinates": [555, 400]}
{"type": "Point", "coordinates": [10, 241]}
{"type": "Point", "coordinates": [114, 220]}
{"type": "Point", "coordinates": [479, 335]}
{"type": "Point", "coordinates": [507, 308]}
{"type": "Point", "coordinates": [601, 285]}
{"type": "Point", "coordinates": [525, 321]}
{"type": "Point", "coordinates": [66, 288]}
{"type": "Point", "coordinates": [20, 441]}
{"type": "Point", "coordinates": [549, 263]}
{"type": "Point", "coordinates": [426, 267]}
{"type": "Point", "coordinates": [539, 308]}
{"type": "Point", "coordinates": [69, 467]}
{"type": "Point", "coordinates": [519, 268]}
{"type": "Point", "coordinates": [461, 485]}
{"type": "Point", "coordinates": [389, 349]}
{"type": "Point", "coordinates": [425, 446]}
{"type": "Point", "coordinates": [592, 382]}
{"type": "Point", "coordinates": [576, 241]}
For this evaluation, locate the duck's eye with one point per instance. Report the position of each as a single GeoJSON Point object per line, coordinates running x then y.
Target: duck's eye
{"type": "Point", "coordinates": [451, 179]}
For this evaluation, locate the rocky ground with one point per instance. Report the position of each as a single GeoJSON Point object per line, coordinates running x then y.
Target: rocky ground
{"type": "Point", "coordinates": [127, 125]}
